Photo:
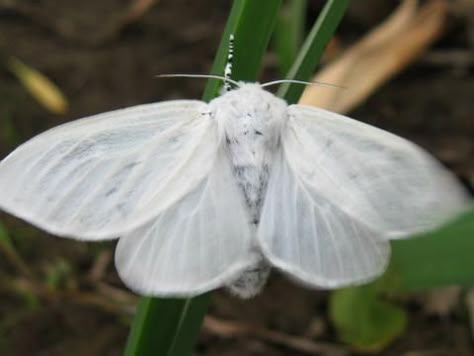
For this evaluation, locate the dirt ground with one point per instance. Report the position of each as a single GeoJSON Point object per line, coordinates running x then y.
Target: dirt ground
{"type": "Point", "coordinates": [102, 60]}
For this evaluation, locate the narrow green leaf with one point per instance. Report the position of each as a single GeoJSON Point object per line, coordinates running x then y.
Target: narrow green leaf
{"type": "Point", "coordinates": [10, 253]}
{"type": "Point", "coordinates": [8, 131]}
{"type": "Point", "coordinates": [440, 258]}
{"type": "Point", "coordinates": [170, 326]}
{"type": "Point", "coordinates": [313, 47]}
{"type": "Point", "coordinates": [289, 33]}
{"type": "Point", "coordinates": [252, 24]}
{"type": "Point", "coordinates": [166, 326]}
{"type": "Point", "coordinates": [364, 320]}
{"type": "Point", "coordinates": [5, 236]}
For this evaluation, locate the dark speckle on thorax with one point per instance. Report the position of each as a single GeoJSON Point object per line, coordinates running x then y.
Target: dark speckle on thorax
{"type": "Point", "coordinates": [251, 120]}
{"type": "Point", "coordinates": [250, 156]}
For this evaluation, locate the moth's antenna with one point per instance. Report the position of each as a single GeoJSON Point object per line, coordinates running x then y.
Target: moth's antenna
{"type": "Point", "coordinates": [228, 66]}
{"type": "Point", "coordinates": [301, 82]}
{"type": "Point", "coordinates": [226, 80]}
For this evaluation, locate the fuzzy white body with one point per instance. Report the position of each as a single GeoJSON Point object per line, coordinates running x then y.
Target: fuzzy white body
{"type": "Point", "coordinates": [251, 121]}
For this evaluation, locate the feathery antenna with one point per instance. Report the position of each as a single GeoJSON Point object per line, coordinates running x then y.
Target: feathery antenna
{"type": "Point", "coordinates": [228, 66]}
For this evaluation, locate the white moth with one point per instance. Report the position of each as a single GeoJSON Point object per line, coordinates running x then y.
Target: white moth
{"type": "Point", "coordinates": [210, 195]}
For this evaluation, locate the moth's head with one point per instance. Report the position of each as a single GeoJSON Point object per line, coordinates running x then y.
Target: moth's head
{"type": "Point", "coordinates": [251, 99]}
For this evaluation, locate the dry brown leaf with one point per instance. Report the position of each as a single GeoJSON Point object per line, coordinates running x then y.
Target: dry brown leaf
{"type": "Point", "coordinates": [100, 265]}
{"type": "Point", "coordinates": [39, 86]}
{"type": "Point", "coordinates": [138, 9]}
{"type": "Point", "coordinates": [441, 301]}
{"type": "Point", "coordinates": [380, 55]}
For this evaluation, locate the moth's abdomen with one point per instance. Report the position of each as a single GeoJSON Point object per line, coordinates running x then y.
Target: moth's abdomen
{"type": "Point", "coordinates": [252, 179]}
{"type": "Point", "coordinates": [252, 280]}
{"type": "Point", "coordinates": [250, 165]}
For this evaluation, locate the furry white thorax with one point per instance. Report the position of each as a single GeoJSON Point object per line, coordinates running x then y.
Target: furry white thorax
{"type": "Point", "coordinates": [250, 121]}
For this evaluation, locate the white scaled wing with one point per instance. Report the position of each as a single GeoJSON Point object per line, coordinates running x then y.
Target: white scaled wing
{"type": "Point", "coordinates": [376, 177]}
{"type": "Point", "coordinates": [307, 236]}
{"type": "Point", "coordinates": [106, 175]}
{"type": "Point", "coordinates": [201, 243]}
{"type": "Point", "coordinates": [339, 190]}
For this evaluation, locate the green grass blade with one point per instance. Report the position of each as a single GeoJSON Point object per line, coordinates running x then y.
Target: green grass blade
{"type": "Point", "coordinates": [289, 33]}
{"type": "Point", "coordinates": [170, 326]}
{"type": "Point", "coordinates": [166, 326]}
{"type": "Point", "coordinates": [252, 24]}
{"type": "Point", "coordinates": [313, 47]}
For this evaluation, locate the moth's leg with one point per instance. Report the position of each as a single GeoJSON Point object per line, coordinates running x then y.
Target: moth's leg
{"type": "Point", "coordinates": [252, 280]}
